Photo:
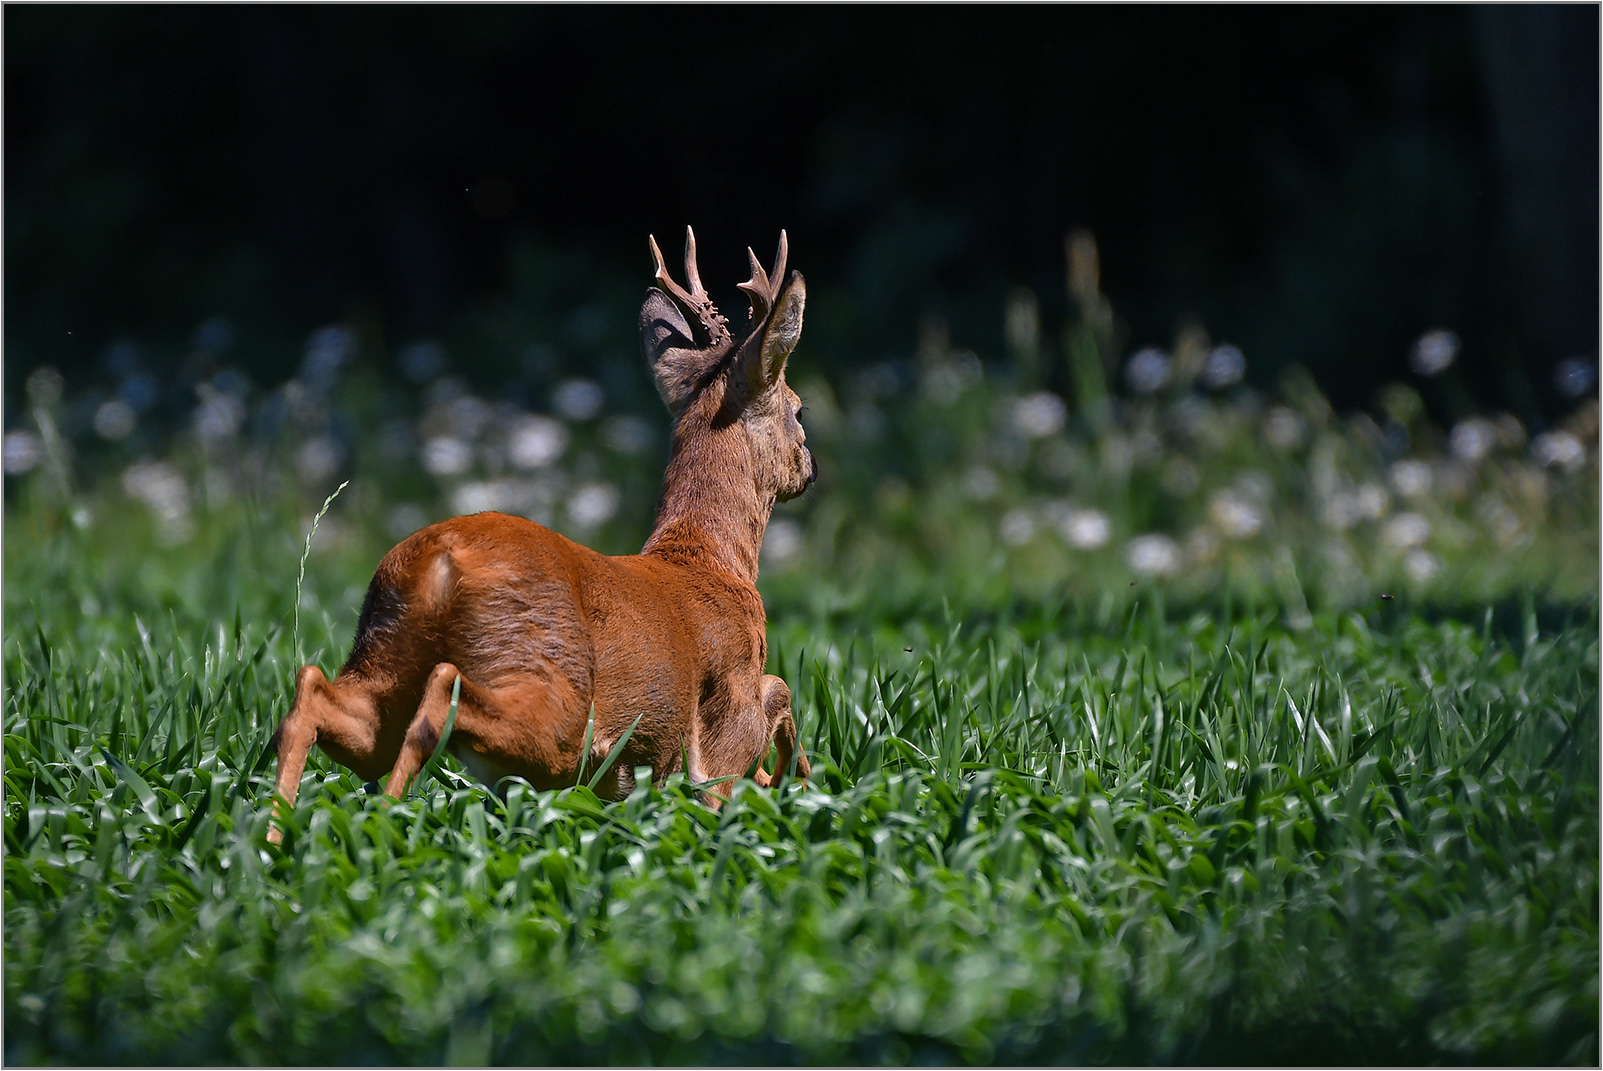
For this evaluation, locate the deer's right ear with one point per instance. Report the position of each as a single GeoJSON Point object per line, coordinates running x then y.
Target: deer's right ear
{"type": "Point", "coordinates": [671, 354]}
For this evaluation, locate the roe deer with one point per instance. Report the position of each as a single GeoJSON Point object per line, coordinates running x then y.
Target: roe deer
{"type": "Point", "coordinates": [542, 631]}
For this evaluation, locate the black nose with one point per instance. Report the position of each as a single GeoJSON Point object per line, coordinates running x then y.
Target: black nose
{"type": "Point", "coordinates": [812, 469]}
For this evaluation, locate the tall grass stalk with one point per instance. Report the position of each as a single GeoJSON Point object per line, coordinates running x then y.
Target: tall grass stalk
{"type": "Point", "coordinates": [300, 576]}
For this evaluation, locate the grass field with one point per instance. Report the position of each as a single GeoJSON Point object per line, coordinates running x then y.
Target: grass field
{"type": "Point", "coordinates": [1114, 762]}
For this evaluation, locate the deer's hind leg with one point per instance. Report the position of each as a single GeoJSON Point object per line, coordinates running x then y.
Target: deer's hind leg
{"type": "Point", "coordinates": [341, 716]}
{"type": "Point", "coordinates": [781, 732]}
{"type": "Point", "coordinates": [788, 747]}
{"type": "Point", "coordinates": [533, 729]}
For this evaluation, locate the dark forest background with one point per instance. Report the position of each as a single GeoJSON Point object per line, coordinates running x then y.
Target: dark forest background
{"type": "Point", "coordinates": [1317, 185]}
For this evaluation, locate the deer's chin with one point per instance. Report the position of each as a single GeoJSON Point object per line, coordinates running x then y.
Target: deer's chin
{"type": "Point", "coordinates": [787, 493]}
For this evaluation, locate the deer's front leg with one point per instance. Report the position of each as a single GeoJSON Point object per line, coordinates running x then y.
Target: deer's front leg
{"type": "Point", "coordinates": [782, 729]}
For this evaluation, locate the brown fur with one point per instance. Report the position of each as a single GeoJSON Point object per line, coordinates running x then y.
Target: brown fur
{"type": "Point", "coordinates": [541, 629]}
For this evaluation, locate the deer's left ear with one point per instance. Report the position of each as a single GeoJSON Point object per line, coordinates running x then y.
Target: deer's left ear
{"type": "Point", "coordinates": [763, 355]}
{"type": "Point", "coordinates": [784, 329]}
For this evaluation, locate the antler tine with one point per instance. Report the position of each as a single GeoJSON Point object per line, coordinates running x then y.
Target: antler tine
{"type": "Point", "coordinates": [663, 278]}
{"type": "Point", "coordinates": [695, 300]}
{"type": "Point", "coordinates": [690, 264]}
{"type": "Point", "coordinates": [779, 262]}
{"type": "Point", "coordinates": [763, 289]}
{"type": "Point", "coordinates": [756, 289]}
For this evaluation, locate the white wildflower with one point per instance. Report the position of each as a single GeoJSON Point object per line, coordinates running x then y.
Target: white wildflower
{"type": "Point", "coordinates": [1434, 351]}
{"type": "Point", "coordinates": [22, 451]}
{"type": "Point", "coordinates": [161, 487]}
{"type": "Point", "coordinates": [446, 455]}
{"type": "Point", "coordinates": [1473, 439]}
{"type": "Point", "coordinates": [1148, 370]}
{"type": "Point", "coordinates": [1153, 555]}
{"type": "Point", "coordinates": [537, 441]}
{"type": "Point", "coordinates": [1038, 415]}
{"type": "Point", "coordinates": [44, 386]}
{"type": "Point", "coordinates": [782, 543]}
{"type": "Point", "coordinates": [1223, 366]}
{"type": "Point", "coordinates": [1016, 527]}
{"type": "Point", "coordinates": [115, 420]}
{"type": "Point", "coordinates": [1284, 428]}
{"type": "Point", "coordinates": [1085, 529]}
{"type": "Point", "coordinates": [1411, 478]}
{"type": "Point", "coordinates": [482, 496]}
{"type": "Point", "coordinates": [1235, 515]}
{"type": "Point", "coordinates": [593, 504]}
{"type": "Point", "coordinates": [578, 399]}
{"type": "Point", "coordinates": [1406, 530]}
{"type": "Point", "coordinates": [218, 417]}
{"type": "Point", "coordinates": [319, 458]}
{"type": "Point", "coordinates": [1510, 432]}
{"type": "Point", "coordinates": [1558, 448]}
{"type": "Point", "coordinates": [1421, 565]}
{"type": "Point", "coordinates": [1371, 501]}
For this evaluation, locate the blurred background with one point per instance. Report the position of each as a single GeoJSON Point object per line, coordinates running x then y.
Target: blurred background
{"type": "Point", "coordinates": [1319, 185]}
{"type": "Point", "coordinates": [407, 243]}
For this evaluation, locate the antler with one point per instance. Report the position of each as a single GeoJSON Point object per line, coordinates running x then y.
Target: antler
{"type": "Point", "coordinates": [761, 289]}
{"type": "Point", "coordinates": [695, 300]}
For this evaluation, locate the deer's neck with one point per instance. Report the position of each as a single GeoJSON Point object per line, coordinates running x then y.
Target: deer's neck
{"type": "Point", "coordinates": [712, 513]}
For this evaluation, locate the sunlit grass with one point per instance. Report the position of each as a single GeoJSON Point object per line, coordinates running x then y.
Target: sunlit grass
{"type": "Point", "coordinates": [1116, 829]}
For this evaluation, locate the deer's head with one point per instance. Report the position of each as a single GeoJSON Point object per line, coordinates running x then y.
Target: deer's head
{"type": "Point", "coordinates": [716, 386]}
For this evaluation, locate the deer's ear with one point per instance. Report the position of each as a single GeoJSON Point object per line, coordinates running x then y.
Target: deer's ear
{"type": "Point", "coordinates": [671, 354]}
{"type": "Point", "coordinates": [784, 329]}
